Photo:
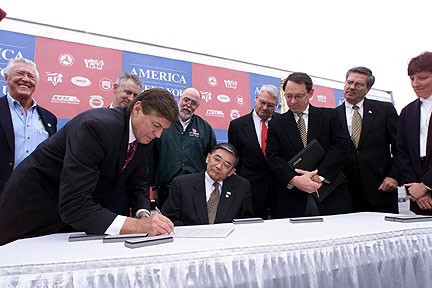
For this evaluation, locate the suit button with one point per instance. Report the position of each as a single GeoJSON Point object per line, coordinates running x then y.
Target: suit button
{"type": "Point", "coordinates": [10, 163]}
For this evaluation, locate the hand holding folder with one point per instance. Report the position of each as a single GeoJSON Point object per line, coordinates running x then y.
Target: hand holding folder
{"type": "Point", "coordinates": [309, 158]}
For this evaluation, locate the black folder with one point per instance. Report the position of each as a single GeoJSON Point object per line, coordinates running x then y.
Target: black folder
{"type": "Point", "coordinates": [309, 159]}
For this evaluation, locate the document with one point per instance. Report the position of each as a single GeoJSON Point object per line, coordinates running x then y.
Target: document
{"type": "Point", "coordinates": [197, 232]}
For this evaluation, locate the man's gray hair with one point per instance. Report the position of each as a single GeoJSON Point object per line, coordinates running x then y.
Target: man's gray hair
{"type": "Point", "coordinates": [11, 64]}
{"type": "Point", "coordinates": [272, 90]}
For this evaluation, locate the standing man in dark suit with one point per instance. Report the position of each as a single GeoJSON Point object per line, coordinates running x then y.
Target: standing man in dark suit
{"type": "Point", "coordinates": [288, 134]}
{"type": "Point", "coordinates": [248, 134]}
{"type": "Point", "coordinates": [61, 186]}
{"type": "Point", "coordinates": [212, 196]}
{"type": "Point", "coordinates": [414, 138]}
{"type": "Point", "coordinates": [372, 171]}
{"type": "Point", "coordinates": [23, 123]}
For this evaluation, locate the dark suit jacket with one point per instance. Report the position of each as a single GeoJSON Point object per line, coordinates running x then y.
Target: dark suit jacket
{"type": "Point", "coordinates": [252, 165]}
{"type": "Point", "coordinates": [284, 141]}
{"type": "Point", "coordinates": [186, 203]}
{"type": "Point", "coordinates": [63, 182]}
{"type": "Point", "coordinates": [408, 145]}
{"type": "Point", "coordinates": [373, 157]}
{"type": "Point", "coordinates": [7, 137]}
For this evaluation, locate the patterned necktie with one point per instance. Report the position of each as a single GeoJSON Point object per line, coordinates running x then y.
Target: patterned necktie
{"type": "Point", "coordinates": [356, 126]}
{"type": "Point", "coordinates": [263, 136]}
{"type": "Point", "coordinates": [302, 128]}
{"type": "Point", "coordinates": [213, 202]}
{"type": "Point", "coordinates": [130, 153]}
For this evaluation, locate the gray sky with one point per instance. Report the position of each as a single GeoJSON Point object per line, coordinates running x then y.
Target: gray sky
{"type": "Point", "coordinates": [321, 38]}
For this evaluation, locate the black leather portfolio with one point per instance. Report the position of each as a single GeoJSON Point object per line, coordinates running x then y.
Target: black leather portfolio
{"type": "Point", "coordinates": [309, 157]}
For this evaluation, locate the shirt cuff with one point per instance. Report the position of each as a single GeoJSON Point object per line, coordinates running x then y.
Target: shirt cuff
{"type": "Point", "coordinates": [116, 225]}
{"type": "Point", "coordinates": [145, 211]}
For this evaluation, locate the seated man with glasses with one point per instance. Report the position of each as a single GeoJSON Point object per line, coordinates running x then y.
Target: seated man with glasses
{"type": "Point", "coordinates": [183, 147]}
{"type": "Point", "coordinates": [215, 195]}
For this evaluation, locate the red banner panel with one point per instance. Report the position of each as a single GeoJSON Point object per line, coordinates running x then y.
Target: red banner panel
{"type": "Point", "coordinates": [323, 97]}
{"type": "Point", "coordinates": [75, 77]}
{"type": "Point", "coordinates": [225, 94]}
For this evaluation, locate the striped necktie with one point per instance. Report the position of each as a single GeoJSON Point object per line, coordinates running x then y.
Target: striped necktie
{"type": "Point", "coordinates": [356, 126]}
{"type": "Point", "coordinates": [302, 128]}
{"type": "Point", "coordinates": [130, 153]}
{"type": "Point", "coordinates": [213, 202]}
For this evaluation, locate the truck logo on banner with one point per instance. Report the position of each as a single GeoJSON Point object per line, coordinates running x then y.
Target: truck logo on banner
{"type": "Point", "coordinates": [79, 68]}
{"type": "Point", "coordinates": [227, 85]}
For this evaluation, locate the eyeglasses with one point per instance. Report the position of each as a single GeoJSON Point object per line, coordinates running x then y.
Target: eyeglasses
{"type": "Point", "coordinates": [269, 104]}
{"type": "Point", "coordinates": [357, 85]}
{"type": "Point", "coordinates": [297, 97]}
{"type": "Point", "coordinates": [187, 100]}
{"type": "Point", "coordinates": [225, 164]}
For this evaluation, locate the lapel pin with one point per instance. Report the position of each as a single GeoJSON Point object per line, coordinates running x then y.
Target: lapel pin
{"type": "Point", "coordinates": [370, 112]}
{"type": "Point", "coordinates": [49, 125]}
{"type": "Point", "coordinates": [228, 194]}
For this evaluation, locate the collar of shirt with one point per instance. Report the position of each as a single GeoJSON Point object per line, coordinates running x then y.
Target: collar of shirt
{"type": "Point", "coordinates": [185, 123]}
{"type": "Point", "coordinates": [426, 101]}
{"type": "Point", "coordinates": [305, 115]}
{"type": "Point", "coordinates": [257, 123]}
{"type": "Point", "coordinates": [350, 106]}
{"type": "Point", "coordinates": [209, 185]}
{"type": "Point", "coordinates": [12, 102]}
{"type": "Point", "coordinates": [132, 137]}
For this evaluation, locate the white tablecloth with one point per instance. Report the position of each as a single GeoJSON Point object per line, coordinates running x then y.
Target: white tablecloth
{"type": "Point", "coordinates": [353, 250]}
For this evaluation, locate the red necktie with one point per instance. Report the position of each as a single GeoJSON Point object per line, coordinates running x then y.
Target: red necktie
{"type": "Point", "coordinates": [263, 136]}
{"type": "Point", "coordinates": [130, 153]}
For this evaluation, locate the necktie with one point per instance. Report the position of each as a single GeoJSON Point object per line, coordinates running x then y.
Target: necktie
{"type": "Point", "coordinates": [263, 136]}
{"type": "Point", "coordinates": [302, 128]}
{"type": "Point", "coordinates": [130, 153]}
{"type": "Point", "coordinates": [213, 203]}
{"type": "Point", "coordinates": [356, 126]}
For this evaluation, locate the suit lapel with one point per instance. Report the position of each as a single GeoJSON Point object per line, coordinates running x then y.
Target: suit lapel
{"type": "Point", "coordinates": [413, 135]}
{"type": "Point", "coordinates": [124, 145]}
{"type": "Point", "coordinates": [314, 123]}
{"type": "Point", "coordinates": [369, 112]}
{"type": "Point", "coordinates": [291, 131]}
{"type": "Point", "coordinates": [6, 121]}
{"type": "Point", "coordinates": [226, 200]}
{"type": "Point", "coordinates": [199, 198]}
{"type": "Point", "coordinates": [342, 114]}
{"type": "Point", "coordinates": [249, 129]}
{"type": "Point", "coordinates": [49, 127]}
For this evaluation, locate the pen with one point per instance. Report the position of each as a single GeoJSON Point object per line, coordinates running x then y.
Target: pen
{"type": "Point", "coordinates": [158, 211]}
{"type": "Point", "coordinates": [316, 191]}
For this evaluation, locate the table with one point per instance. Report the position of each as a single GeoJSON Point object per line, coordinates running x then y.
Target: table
{"type": "Point", "coordinates": [351, 250]}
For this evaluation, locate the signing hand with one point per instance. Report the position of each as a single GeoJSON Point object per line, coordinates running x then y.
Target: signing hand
{"type": "Point", "coordinates": [156, 224]}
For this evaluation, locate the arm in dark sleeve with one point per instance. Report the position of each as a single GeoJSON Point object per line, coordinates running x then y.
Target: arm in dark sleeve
{"type": "Point", "coordinates": [391, 131]}
{"type": "Point", "coordinates": [85, 151]}
{"type": "Point", "coordinates": [172, 207]}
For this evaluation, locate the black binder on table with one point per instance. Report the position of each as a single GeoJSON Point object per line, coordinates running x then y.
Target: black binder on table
{"type": "Point", "coordinates": [309, 159]}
